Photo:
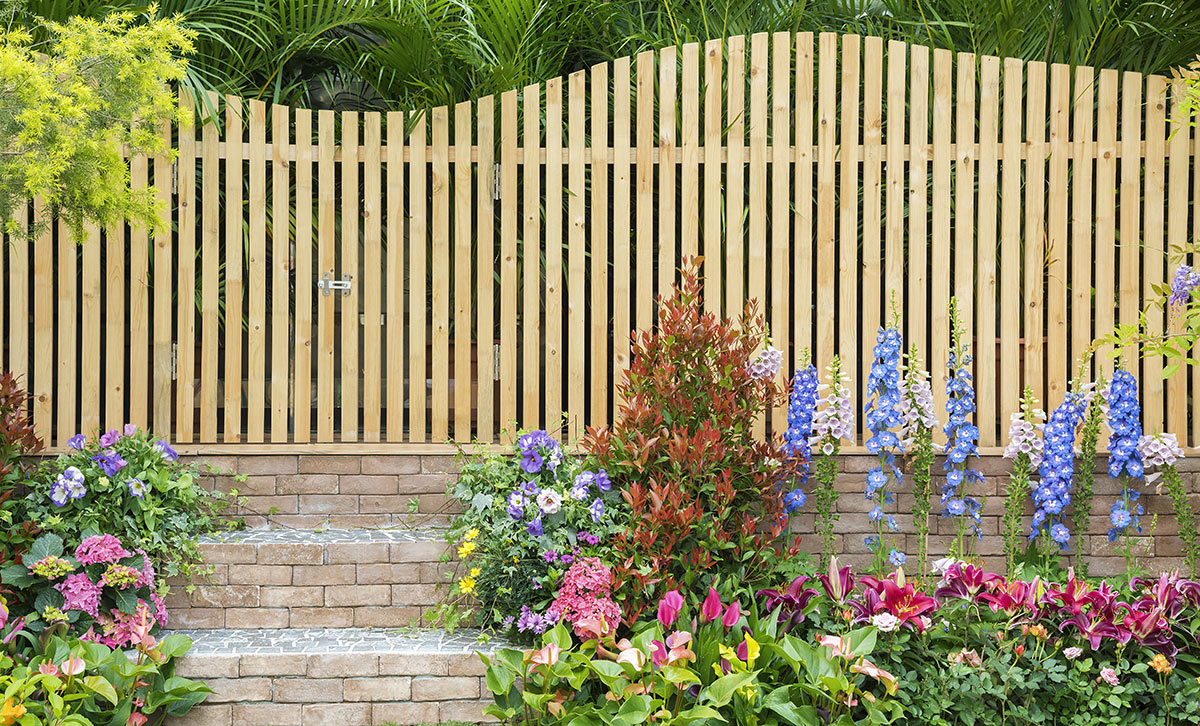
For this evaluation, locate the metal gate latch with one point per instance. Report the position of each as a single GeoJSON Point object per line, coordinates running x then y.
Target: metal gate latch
{"type": "Point", "coordinates": [327, 284]}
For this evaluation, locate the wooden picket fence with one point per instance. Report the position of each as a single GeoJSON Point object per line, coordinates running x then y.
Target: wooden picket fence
{"type": "Point", "coordinates": [499, 251]}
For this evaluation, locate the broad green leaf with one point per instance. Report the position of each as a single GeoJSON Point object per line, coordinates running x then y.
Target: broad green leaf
{"type": "Point", "coordinates": [100, 687]}
{"type": "Point", "coordinates": [721, 691]}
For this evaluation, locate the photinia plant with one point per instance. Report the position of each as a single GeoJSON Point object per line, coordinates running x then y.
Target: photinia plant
{"type": "Point", "coordinates": [705, 495]}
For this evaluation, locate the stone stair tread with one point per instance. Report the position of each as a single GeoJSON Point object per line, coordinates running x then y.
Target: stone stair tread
{"type": "Point", "coordinates": [313, 641]}
{"type": "Point", "coordinates": [326, 536]}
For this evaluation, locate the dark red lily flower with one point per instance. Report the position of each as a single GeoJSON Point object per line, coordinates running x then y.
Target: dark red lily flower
{"type": "Point", "coordinates": [790, 602]}
{"type": "Point", "coordinates": [1095, 630]}
{"type": "Point", "coordinates": [1014, 596]}
{"type": "Point", "coordinates": [964, 581]}
{"type": "Point", "coordinates": [896, 596]}
{"type": "Point", "coordinates": [838, 583]}
{"type": "Point", "coordinates": [1073, 596]}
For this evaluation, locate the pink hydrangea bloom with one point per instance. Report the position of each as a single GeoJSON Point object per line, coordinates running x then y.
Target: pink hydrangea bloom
{"type": "Point", "coordinates": [123, 630]}
{"type": "Point", "coordinates": [147, 578]}
{"type": "Point", "coordinates": [80, 593]}
{"type": "Point", "coordinates": [584, 598]}
{"type": "Point", "coordinates": [99, 549]}
{"type": "Point", "coordinates": [160, 608]}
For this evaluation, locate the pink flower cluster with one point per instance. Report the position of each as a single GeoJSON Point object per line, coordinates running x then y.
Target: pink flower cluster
{"type": "Point", "coordinates": [100, 549]}
{"type": "Point", "coordinates": [585, 598]}
{"type": "Point", "coordinates": [80, 593]}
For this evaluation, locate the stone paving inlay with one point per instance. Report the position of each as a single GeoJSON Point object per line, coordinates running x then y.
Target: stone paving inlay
{"type": "Point", "coordinates": [325, 536]}
{"type": "Point", "coordinates": [337, 640]}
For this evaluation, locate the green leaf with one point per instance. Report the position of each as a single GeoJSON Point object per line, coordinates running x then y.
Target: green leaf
{"type": "Point", "coordinates": [677, 675]}
{"type": "Point", "coordinates": [126, 601]}
{"type": "Point", "coordinates": [721, 691]}
{"type": "Point", "coordinates": [17, 576]}
{"type": "Point", "coordinates": [699, 713]}
{"type": "Point", "coordinates": [101, 687]}
{"type": "Point", "coordinates": [45, 546]}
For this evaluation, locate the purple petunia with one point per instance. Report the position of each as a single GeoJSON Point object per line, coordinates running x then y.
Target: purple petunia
{"type": "Point", "coordinates": [77, 442]}
{"type": "Point", "coordinates": [166, 450]}
{"type": "Point", "coordinates": [138, 488]}
{"type": "Point", "coordinates": [596, 510]}
{"type": "Point", "coordinates": [516, 505]}
{"type": "Point", "coordinates": [534, 528]}
{"type": "Point", "coordinates": [110, 461]}
{"type": "Point", "coordinates": [602, 481]}
{"type": "Point", "coordinates": [109, 438]}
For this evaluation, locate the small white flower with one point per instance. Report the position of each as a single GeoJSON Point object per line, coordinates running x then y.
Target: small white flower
{"type": "Point", "coordinates": [886, 622]}
{"type": "Point", "coordinates": [550, 501]}
{"type": "Point", "coordinates": [940, 566]}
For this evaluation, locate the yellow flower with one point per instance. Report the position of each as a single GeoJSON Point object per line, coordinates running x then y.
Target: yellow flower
{"type": "Point", "coordinates": [465, 549]}
{"type": "Point", "coordinates": [1160, 663]}
{"type": "Point", "coordinates": [515, 560]}
{"type": "Point", "coordinates": [472, 534]}
{"type": "Point", "coordinates": [466, 585]}
{"type": "Point", "coordinates": [475, 572]}
{"type": "Point", "coordinates": [9, 713]}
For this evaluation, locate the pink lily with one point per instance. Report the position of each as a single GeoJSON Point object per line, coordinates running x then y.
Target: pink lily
{"type": "Point", "coordinates": [840, 646]}
{"type": "Point", "coordinates": [711, 609]}
{"type": "Point", "coordinates": [669, 607]}
{"type": "Point", "coordinates": [73, 666]}
{"type": "Point", "coordinates": [48, 669]}
{"type": "Point", "coordinates": [867, 668]}
{"type": "Point", "coordinates": [838, 583]}
{"type": "Point", "coordinates": [732, 614]}
{"type": "Point", "coordinates": [674, 650]}
{"type": "Point", "coordinates": [547, 655]}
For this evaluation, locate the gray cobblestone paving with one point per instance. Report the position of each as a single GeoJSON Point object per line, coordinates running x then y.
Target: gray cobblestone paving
{"type": "Point", "coordinates": [336, 640]}
{"type": "Point", "coordinates": [326, 536]}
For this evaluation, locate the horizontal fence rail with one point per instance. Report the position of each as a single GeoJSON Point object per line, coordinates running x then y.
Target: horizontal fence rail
{"type": "Point", "coordinates": [411, 278]}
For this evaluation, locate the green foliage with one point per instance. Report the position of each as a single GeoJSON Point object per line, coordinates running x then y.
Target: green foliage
{"type": "Point", "coordinates": [72, 102]}
{"type": "Point", "coordinates": [1185, 518]}
{"type": "Point", "coordinates": [164, 521]}
{"type": "Point", "coordinates": [825, 474]}
{"type": "Point", "coordinates": [921, 456]}
{"type": "Point", "coordinates": [78, 683]}
{"type": "Point", "coordinates": [1085, 469]}
{"type": "Point", "coordinates": [17, 443]}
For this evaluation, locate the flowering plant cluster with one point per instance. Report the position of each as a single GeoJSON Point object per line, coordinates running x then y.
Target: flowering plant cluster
{"type": "Point", "coordinates": [1160, 452]}
{"type": "Point", "coordinates": [1052, 493]}
{"type": "Point", "coordinates": [832, 423]}
{"type": "Point", "coordinates": [796, 440]}
{"type": "Point", "coordinates": [529, 517]}
{"type": "Point", "coordinates": [916, 437]}
{"type": "Point", "coordinates": [961, 437]}
{"type": "Point", "coordinates": [130, 484]}
{"type": "Point", "coordinates": [102, 591]}
{"type": "Point", "coordinates": [883, 414]}
{"type": "Point", "coordinates": [1025, 450]}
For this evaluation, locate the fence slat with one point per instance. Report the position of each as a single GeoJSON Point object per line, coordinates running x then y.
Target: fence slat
{"type": "Point", "coordinates": [18, 290]}
{"type": "Point", "coordinates": [1177, 236]}
{"type": "Point", "coordinates": [439, 280]}
{"type": "Point", "coordinates": [872, 225]}
{"type": "Point", "coordinates": [848, 267]}
{"type": "Point", "coordinates": [463, 282]}
{"type": "Point", "coordinates": [348, 265]}
{"type": "Point", "coordinates": [508, 270]}
{"type": "Point", "coordinates": [826, 204]}
{"type": "Point", "coordinates": [68, 339]}
{"type": "Point", "coordinates": [1081, 214]}
{"type": "Point", "coordinates": [781, 145]}
{"type": "Point", "coordinates": [89, 332]}
{"type": "Point", "coordinates": [116, 285]}
{"type": "Point", "coordinates": [802, 252]}
{"type": "Point", "coordinates": [986, 350]}
{"type": "Point", "coordinates": [1035, 230]}
{"type": "Point", "coordinates": [668, 70]}
{"type": "Point", "coordinates": [326, 229]}
{"type": "Point", "coordinates": [235, 179]}
{"type": "Point", "coordinates": [1154, 254]}
{"type": "Point", "coordinates": [965, 282]}
{"type": "Point", "coordinates": [281, 265]}
{"type": "Point", "coordinates": [1129, 203]}
{"type": "Point", "coordinates": [576, 362]}
{"type": "Point", "coordinates": [600, 321]}
{"type": "Point", "coordinates": [1009, 280]}
{"type": "Point", "coordinates": [417, 265]}
{"type": "Point", "coordinates": [302, 359]}
{"type": "Point", "coordinates": [1057, 365]}
{"type": "Point", "coordinates": [689, 171]}
{"type": "Point", "coordinates": [918, 194]}
{"type": "Point", "coordinates": [1106, 213]}
{"type": "Point", "coordinates": [394, 277]}
{"type": "Point", "coordinates": [372, 212]}
{"type": "Point", "coordinates": [621, 229]}
{"type": "Point", "coordinates": [184, 346]}
{"type": "Point", "coordinates": [713, 59]}
{"type": "Point", "coordinates": [897, 117]}
{"type": "Point", "coordinates": [485, 235]}
{"type": "Point", "coordinates": [531, 249]}
{"type": "Point", "coordinates": [164, 290]}
{"type": "Point", "coordinates": [643, 279]}
{"type": "Point", "coordinates": [210, 263]}
{"type": "Point", "coordinates": [256, 347]}
{"type": "Point", "coordinates": [554, 256]}
{"type": "Point", "coordinates": [41, 383]}
{"type": "Point", "coordinates": [756, 204]}
{"type": "Point", "coordinates": [940, 249]}
{"type": "Point", "coordinates": [735, 176]}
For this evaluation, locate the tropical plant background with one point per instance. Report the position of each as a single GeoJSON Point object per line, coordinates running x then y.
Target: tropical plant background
{"type": "Point", "coordinates": [397, 54]}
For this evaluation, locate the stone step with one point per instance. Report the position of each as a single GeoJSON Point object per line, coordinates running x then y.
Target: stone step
{"type": "Point", "coordinates": [334, 578]}
{"type": "Point", "coordinates": [350, 677]}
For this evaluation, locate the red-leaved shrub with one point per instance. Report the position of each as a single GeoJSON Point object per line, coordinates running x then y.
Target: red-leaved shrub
{"type": "Point", "coordinates": [704, 494]}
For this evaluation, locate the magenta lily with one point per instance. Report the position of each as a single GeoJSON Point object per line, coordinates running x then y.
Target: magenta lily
{"type": "Point", "coordinates": [669, 607]}
{"type": "Point", "coordinates": [710, 610]}
{"type": "Point", "coordinates": [838, 583]}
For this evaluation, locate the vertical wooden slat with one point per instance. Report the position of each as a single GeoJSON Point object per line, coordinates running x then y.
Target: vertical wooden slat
{"type": "Point", "coordinates": [1177, 236]}
{"type": "Point", "coordinates": [713, 57]}
{"type": "Point", "coordinates": [781, 150]}
{"type": "Point", "coordinates": [643, 300]}
{"type": "Point", "coordinates": [897, 116]}
{"type": "Point", "coordinates": [508, 269]}
{"type": "Point", "coordinates": [18, 291]}
{"type": "Point", "coordinates": [256, 348]}
{"type": "Point", "coordinates": [756, 206]}
{"type": "Point", "coordinates": [1009, 281]}
{"type": "Point", "coordinates": [463, 281]}
{"type": "Point", "coordinates": [848, 267]}
{"type": "Point", "coordinates": [621, 229]}
{"type": "Point", "coordinates": [668, 70]}
{"type": "Point", "coordinates": [185, 280]}
{"type": "Point", "coordinates": [1082, 254]}
{"type": "Point", "coordinates": [872, 186]}
{"type": "Point", "coordinates": [394, 277]}
{"type": "Point", "coordinates": [554, 250]}
{"type": "Point", "coordinates": [802, 252]}
{"type": "Point", "coordinates": [599, 357]}
{"type": "Point", "coordinates": [373, 204]}
{"type": "Point", "coordinates": [439, 280]}
{"type": "Point", "coordinates": [164, 290]}
{"type": "Point", "coordinates": [326, 229]}
{"type": "Point", "coordinates": [1129, 203]}
{"type": "Point", "coordinates": [531, 247]}
{"type": "Point", "coordinates": [89, 333]}
{"type": "Point", "coordinates": [918, 181]}
{"type": "Point", "coordinates": [940, 248]}
{"type": "Point", "coordinates": [1035, 230]}
{"type": "Point", "coordinates": [1106, 213]}
{"type": "Point", "coordinates": [1153, 386]}
{"type": "Point", "coordinates": [485, 268]}
{"type": "Point", "coordinates": [965, 283]}
{"type": "Point", "coordinates": [210, 265]}
{"type": "Point", "coordinates": [689, 170]}
{"type": "Point", "coordinates": [348, 265]}
{"type": "Point", "coordinates": [826, 206]}
{"type": "Point", "coordinates": [281, 266]}
{"type": "Point", "coordinates": [735, 176]}
{"type": "Point", "coordinates": [117, 283]}
{"type": "Point", "coordinates": [577, 256]}
{"type": "Point", "coordinates": [1057, 365]}
{"type": "Point", "coordinates": [417, 233]}
{"type": "Point", "coordinates": [235, 176]}
{"type": "Point", "coordinates": [305, 284]}
{"type": "Point", "coordinates": [41, 383]}
{"type": "Point", "coordinates": [988, 304]}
